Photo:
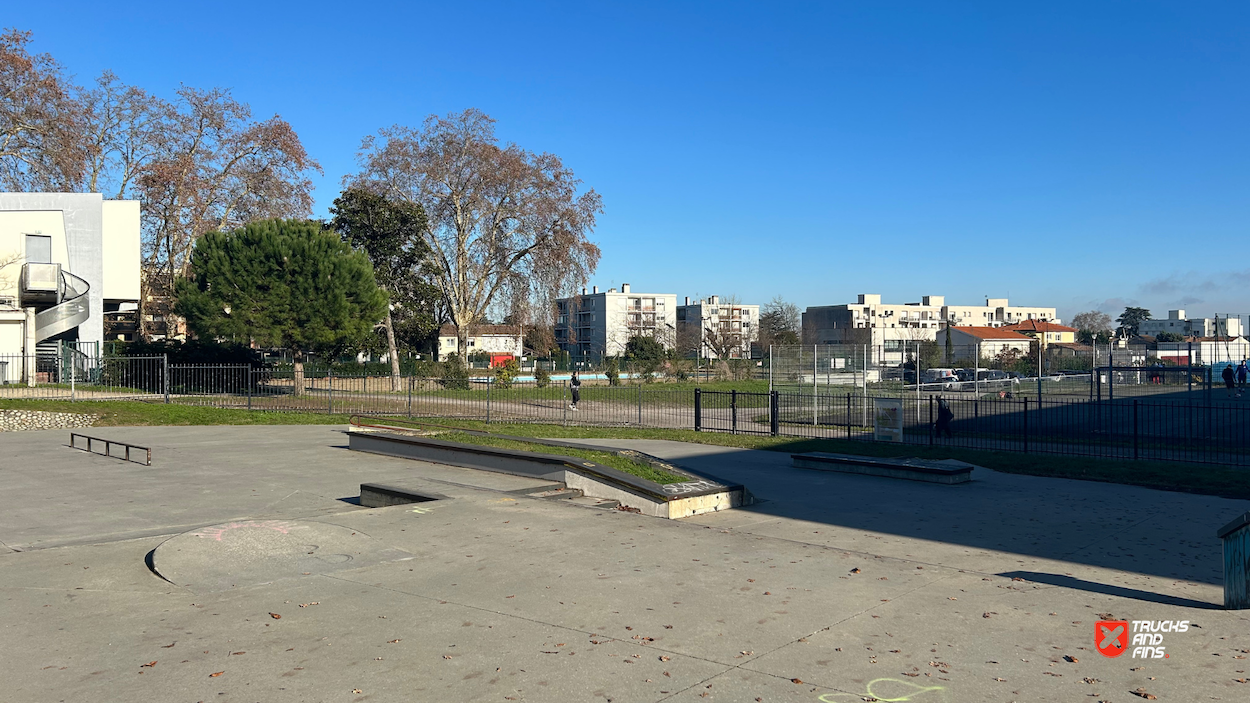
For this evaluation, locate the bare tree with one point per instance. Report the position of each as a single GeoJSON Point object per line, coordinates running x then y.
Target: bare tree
{"type": "Point", "coordinates": [40, 121]}
{"type": "Point", "coordinates": [501, 218]}
{"type": "Point", "coordinates": [779, 323]}
{"type": "Point", "coordinates": [1092, 321]}
{"type": "Point", "coordinates": [216, 170]}
{"type": "Point", "coordinates": [123, 132]}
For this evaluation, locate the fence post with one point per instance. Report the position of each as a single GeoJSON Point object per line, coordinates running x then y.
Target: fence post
{"type": "Point", "coordinates": [330, 386]}
{"type": "Point", "coordinates": [848, 415]}
{"type": "Point", "coordinates": [488, 385]}
{"type": "Point", "coordinates": [249, 387]}
{"type": "Point", "coordinates": [165, 376]}
{"type": "Point", "coordinates": [698, 409]}
{"type": "Point", "coordinates": [733, 411]}
{"type": "Point", "coordinates": [1135, 431]}
{"type": "Point", "coordinates": [1026, 424]}
{"type": "Point", "coordinates": [774, 423]}
{"type": "Point", "coordinates": [411, 380]}
{"type": "Point", "coordinates": [640, 405]}
{"type": "Point", "coordinates": [930, 420]}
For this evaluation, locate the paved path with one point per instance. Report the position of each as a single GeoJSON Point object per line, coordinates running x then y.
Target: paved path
{"type": "Point", "coordinates": [835, 588]}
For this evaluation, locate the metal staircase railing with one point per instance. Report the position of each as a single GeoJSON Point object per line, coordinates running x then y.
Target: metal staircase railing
{"type": "Point", "coordinates": [71, 311]}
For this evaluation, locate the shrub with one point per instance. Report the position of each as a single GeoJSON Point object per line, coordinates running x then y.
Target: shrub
{"type": "Point", "coordinates": [612, 369]}
{"type": "Point", "coordinates": [542, 378]}
{"type": "Point", "coordinates": [455, 376]}
{"type": "Point", "coordinates": [505, 373]}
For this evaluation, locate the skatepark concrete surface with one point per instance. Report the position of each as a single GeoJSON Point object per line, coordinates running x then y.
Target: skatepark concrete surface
{"type": "Point", "coordinates": [274, 585]}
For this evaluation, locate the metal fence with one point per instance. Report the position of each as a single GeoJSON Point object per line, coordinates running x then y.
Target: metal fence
{"type": "Point", "coordinates": [1181, 418]}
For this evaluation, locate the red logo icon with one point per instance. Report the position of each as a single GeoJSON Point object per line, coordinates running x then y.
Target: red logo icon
{"type": "Point", "coordinates": [1111, 637]}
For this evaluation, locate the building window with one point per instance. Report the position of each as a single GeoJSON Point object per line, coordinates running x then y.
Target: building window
{"type": "Point", "coordinates": [38, 249]}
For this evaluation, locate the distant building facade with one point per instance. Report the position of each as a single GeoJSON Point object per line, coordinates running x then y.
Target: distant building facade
{"type": "Point", "coordinates": [596, 324]}
{"type": "Point", "coordinates": [1177, 323]}
{"type": "Point", "coordinates": [494, 340]}
{"type": "Point", "coordinates": [708, 328]}
{"type": "Point", "coordinates": [1046, 333]}
{"type": "Point", "coordinates": [892, 328]}
{"type": "Point", "coordinates": [980, 342]}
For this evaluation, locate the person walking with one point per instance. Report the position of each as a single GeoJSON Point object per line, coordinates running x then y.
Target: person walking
{"type": "Point", "coordinates": [575, 386]}
{"type": "Point", "coordinates": [1228, 375]}
{"type": "Point", "coordinates": [945, 415]}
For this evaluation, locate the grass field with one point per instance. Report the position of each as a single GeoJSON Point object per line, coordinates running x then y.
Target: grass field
{"type": "Point", "coordinates": [1206, 479]}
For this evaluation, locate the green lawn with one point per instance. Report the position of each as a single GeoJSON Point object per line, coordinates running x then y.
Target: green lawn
{"type": "Point", "coordinates": [615, 461]}
{"type": "Point", "coordinates": [115, 413]}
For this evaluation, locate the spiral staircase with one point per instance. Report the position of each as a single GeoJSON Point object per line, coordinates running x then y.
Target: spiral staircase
{"type": "Point", "coordinates": [59, 297]}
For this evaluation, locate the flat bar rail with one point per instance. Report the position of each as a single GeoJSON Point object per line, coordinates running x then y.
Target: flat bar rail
{"type": "Point", "coordinates": [108, 444]}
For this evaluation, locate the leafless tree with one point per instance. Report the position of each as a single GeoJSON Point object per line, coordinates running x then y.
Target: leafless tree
{"type": "Point", "coordinates": [40, 120]}
{"type": "Point", "coordinates": [123, 132]}
{"type": "Point", "coordinates": [501, 218]}
{"type": "Point", "coordinates": [779, 323]}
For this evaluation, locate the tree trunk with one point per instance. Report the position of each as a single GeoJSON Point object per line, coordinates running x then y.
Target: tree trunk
{"type": "Point", "coordinates": [297, 357]}
{"type": "Point", "coordinates": [462, 343]}
{"type": "Point", "coordinates": [391, 351]}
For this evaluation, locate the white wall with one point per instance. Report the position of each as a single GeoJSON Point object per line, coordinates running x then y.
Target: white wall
{"type": "Point", "coordinates": [121, 250]}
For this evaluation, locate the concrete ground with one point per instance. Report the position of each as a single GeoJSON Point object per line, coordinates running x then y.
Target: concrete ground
{"type": "Point", "coordinates": [833, 588]}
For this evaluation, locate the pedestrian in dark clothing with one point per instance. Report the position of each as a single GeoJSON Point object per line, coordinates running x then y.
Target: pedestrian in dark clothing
{"type": "Point", "coordinates": [945, 415]}
{"type": "Point", "coordinates": [1227, 375]}
{"type": "Point", "coordinates": [575, 385]}
{"type": "Point", "coordinates": [1241, 377]}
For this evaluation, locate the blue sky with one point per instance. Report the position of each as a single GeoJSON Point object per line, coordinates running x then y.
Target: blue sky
{"type": "Point", "coordinates": [1082, 155]}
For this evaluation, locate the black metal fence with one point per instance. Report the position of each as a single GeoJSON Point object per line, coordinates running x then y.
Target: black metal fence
{"type": "Point", "coordinates": [1194, 423]}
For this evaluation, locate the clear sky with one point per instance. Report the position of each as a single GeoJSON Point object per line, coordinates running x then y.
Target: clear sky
{"type": "Point", "coordinates": [1076, 154]}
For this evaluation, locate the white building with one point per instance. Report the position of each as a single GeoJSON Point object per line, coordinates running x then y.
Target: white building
{"type": "Point", "coordinates": [597, 324]}
{"type": "Point", "coordinates": [1205, 350]}
{"type": "Point", "coordinates": [980, 342]}
{"type": "Point", "coordinates": [65, 260]}
{"type": "Point", "coordinates": [494, 340]}
{"type": "Point", "coordinates": [709, 325]}
{"type": "Point", "coordinates": [891, 328]}
{"type": "Point", "coordinates": [1177, 323]}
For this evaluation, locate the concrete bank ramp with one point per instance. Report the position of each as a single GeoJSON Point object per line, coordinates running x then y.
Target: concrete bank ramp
{"type": "Point", "coordinates": [252, 552]}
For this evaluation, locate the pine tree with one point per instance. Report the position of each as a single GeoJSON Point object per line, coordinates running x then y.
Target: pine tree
{"type": "Point", "coordinates": [282, 284]}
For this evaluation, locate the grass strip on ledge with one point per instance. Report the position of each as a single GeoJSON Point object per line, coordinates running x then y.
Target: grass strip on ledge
{"type": "Point", "coordinates": [620, 463]}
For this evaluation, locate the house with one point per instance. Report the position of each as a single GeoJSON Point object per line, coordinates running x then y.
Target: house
{"type": "Point", "coordinates": [597, 324]}
{"type": "Point", "coordinates": [1177, 323]}
{"type": "Point", "coordinates": [1045, 332]}
{"type": "Point", "coordinates": [66, 259]}
{"type": "Point", "coordinates": [493, 340]}
{"type": "Point", "coordinates": [972, 343]}
{"type": "Point", "coordinates": [709, 327]}
{"type": "Point", "coordinates": [890, 329]}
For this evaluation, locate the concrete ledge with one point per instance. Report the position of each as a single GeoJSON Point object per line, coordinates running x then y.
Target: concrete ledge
{"type": "Point", "coordinates": [700, 494]}
{"type": "Point", "coordinates": [375, 495]}
{"type": "Point", "coordinates": [946, 471]}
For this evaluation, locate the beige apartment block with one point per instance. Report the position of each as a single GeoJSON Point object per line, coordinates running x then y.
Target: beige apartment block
{"type": "Point", "coordinates": [597, 324]}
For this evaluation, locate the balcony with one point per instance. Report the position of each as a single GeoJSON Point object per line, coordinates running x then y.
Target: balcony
{"type": "Point", "coordinates": [40, 283]}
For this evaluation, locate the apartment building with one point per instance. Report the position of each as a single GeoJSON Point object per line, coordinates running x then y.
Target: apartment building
{"type": "Point", "coordinates": [1046, 333]}
{"type": "Point", "coordinates": [66, 259]}
{"type": "Point", "coordinates": [711, 329]}
{"type": "Point", "coordinates": [892, 328]}
{"type": "Point", "coordinates": [600, 323]}
{"type": "Point", "coordinates": [1177, 323]}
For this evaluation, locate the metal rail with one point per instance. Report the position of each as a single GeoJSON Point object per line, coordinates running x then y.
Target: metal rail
{"type": "Point", "coordinates": [108, 443]}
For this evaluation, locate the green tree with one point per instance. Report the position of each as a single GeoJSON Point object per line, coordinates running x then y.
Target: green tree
{"type": "Point", "coordinates": [1169, 337]}
{"type": "Point", "coordinates": [1130, 320]}
{"type": "Point", "coordinates": [282, 284]}
{"type": "Point", "coordinates": [390, 234]}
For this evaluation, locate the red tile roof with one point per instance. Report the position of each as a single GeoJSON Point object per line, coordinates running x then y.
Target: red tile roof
{"type": "Point", "coordinates": [995, 333]}
{"type": "Point", "coordinates": [1039, 326]}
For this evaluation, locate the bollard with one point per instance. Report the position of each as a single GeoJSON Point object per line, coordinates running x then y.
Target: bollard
{"type": "Point", "coordinates": [1236, 537]}
{"type": "Point", "coordinates": [698, 409]}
